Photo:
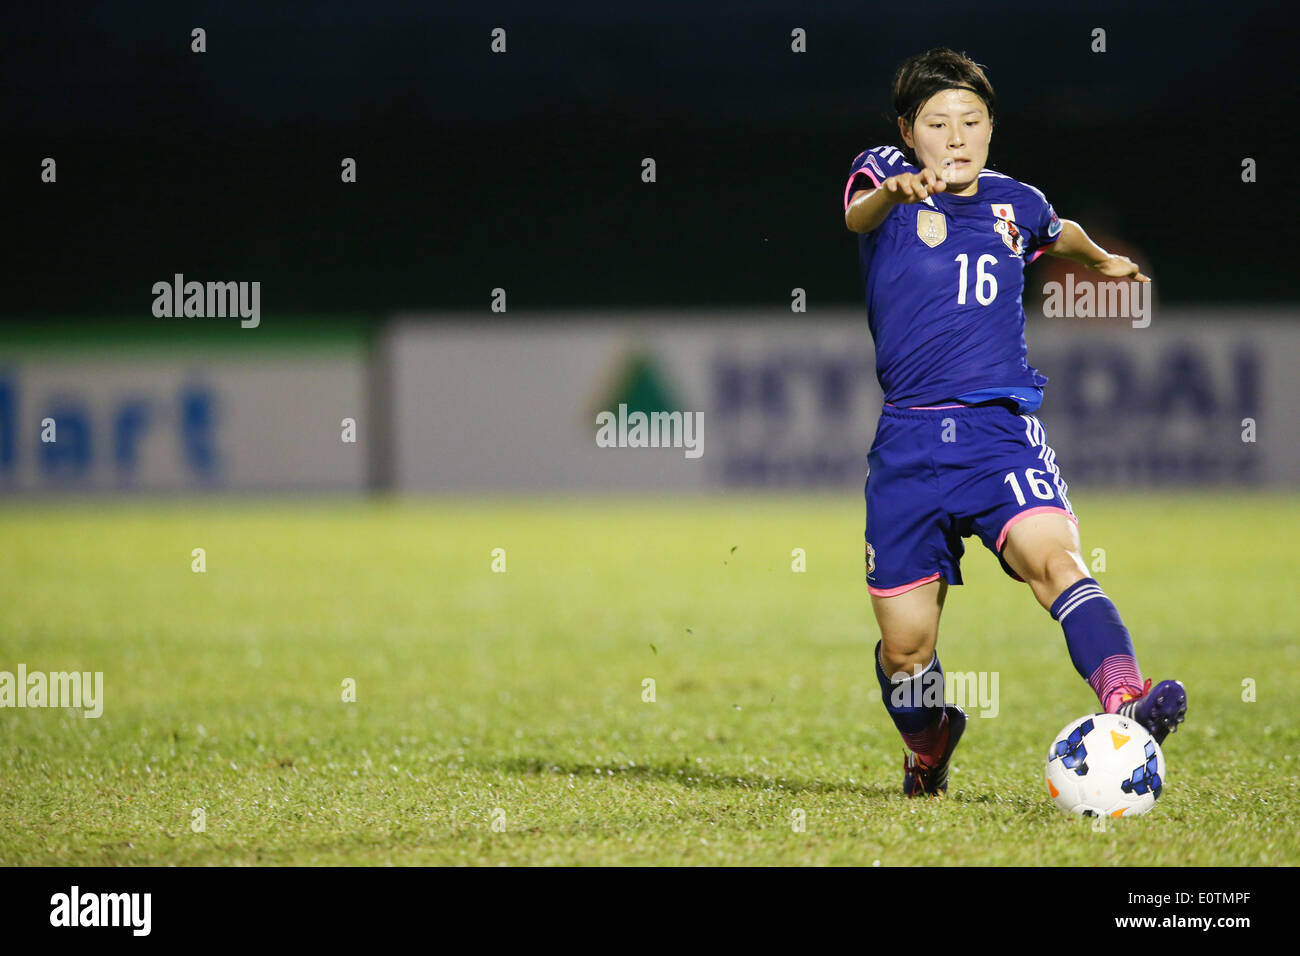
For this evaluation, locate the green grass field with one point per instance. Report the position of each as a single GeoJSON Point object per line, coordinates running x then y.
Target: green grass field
{"type": "Point", "coordinates": [499, 717]}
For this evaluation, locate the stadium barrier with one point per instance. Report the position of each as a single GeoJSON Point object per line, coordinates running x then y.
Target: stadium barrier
{"type": "Point", "coordinates": [1198, 397]}
{"type": "Point", "coordinates": [136, 410]}
{"type": "Point", "coordinates": [720, 399]}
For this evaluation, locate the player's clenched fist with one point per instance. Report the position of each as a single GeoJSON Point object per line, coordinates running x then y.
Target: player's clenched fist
{"type": "Point", "coordinates": [913, 187]}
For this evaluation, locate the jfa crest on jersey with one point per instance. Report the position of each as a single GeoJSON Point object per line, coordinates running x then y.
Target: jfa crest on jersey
{"type": "Point", "coordinates": [1005, 225]}
{"type": "Point", "coordinates": [948, 272]}
{"type": "Point", "coordinates": [1012, 236]}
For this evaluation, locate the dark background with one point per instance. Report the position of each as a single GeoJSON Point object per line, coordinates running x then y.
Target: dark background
{"type": "Point", "coordinates": [522, 170]}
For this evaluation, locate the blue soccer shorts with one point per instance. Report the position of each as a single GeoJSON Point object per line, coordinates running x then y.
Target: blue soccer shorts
{"type": "Point", "coordinates": [946, 472]}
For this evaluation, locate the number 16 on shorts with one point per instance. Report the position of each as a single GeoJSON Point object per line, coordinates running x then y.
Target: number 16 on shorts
{"type": "Point", "coordinates": [1037, 482]}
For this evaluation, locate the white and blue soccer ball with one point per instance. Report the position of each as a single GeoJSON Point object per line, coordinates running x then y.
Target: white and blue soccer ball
{"type": "Point", "coordinates": [1105, 765]}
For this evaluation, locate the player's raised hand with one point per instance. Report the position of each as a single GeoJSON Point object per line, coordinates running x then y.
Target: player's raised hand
{"type": "Point", "coordinates": [914, 187]}
{"type": "Point", "coordinates": [1118, 267]}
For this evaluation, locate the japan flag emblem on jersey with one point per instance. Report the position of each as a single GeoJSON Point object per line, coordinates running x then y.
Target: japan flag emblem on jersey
{"type": "Point", "coordinates": [1003, 210]}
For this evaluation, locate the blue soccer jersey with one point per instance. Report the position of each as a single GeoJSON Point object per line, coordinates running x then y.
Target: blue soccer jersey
{"type": "Point", "coordinates": [944, 279]}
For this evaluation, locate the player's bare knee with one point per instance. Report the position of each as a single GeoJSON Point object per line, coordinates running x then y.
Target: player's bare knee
{"type": "Point", "coordinates": [1065, 567]}
{"type": "Point", "coordinates": [905, 653]}
{"type": "Point", "coordinates": [1055, 568]}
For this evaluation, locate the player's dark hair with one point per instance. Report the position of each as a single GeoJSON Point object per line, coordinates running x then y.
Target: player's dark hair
{"type": "Point", "coordinates": [933, 71]}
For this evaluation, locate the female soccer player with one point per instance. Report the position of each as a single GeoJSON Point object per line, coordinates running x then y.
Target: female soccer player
{"type": "Point", "coordinates": [943, 244]}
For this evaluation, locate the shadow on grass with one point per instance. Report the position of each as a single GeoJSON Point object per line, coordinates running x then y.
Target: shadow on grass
{"type": "Point", "coordinates": [683, 774]}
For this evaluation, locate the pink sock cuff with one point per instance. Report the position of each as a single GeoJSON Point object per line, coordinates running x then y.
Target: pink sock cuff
{"type": "Point", "coordinates": [1116, 672]}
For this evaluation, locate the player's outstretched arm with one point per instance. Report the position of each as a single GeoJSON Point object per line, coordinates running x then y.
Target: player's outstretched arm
{"type": "Point", "coordinates": [1073, 243]}
{"type": "Point", "coordinates": [869, 207]}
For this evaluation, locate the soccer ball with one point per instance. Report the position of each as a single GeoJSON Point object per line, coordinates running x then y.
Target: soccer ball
{"type": "Point", "coordinates": [1105, 765]}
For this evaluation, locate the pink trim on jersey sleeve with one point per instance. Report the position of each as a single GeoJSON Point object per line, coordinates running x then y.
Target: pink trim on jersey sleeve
{"type": "Point", "coordinates": [1043, 248]}
{"type": "Point", "coordinates": [848, 188]}
{"type": "Point", "coordinates": [1029, 512]}
{"type": "Point", "coordinates": [902, 589]}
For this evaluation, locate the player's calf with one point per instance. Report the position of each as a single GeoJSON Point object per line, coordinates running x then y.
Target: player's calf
{"type": "Point", "coordinates": [930, 729]}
